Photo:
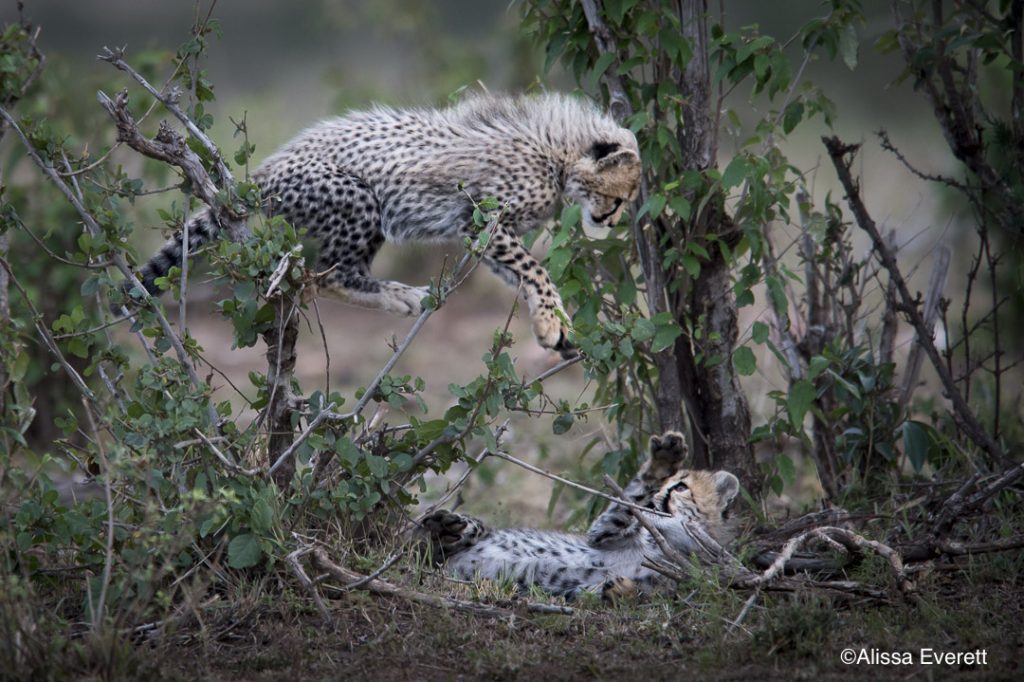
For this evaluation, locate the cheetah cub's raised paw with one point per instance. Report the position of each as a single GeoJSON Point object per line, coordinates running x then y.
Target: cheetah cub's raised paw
{"type": "Point", "coordinates": [668, 452]}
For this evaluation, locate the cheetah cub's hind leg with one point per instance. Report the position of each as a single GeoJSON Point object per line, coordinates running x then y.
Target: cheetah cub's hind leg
{"type": "Point", "coordinates": [450, 533]}
{"type": "Point", "coordinates": [342, 213]}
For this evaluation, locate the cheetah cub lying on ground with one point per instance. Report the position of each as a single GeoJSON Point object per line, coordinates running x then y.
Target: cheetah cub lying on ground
{"type": "Point", "coordinates": [608, 559]}
{"type": "Point", "coordinates": [409, 175]}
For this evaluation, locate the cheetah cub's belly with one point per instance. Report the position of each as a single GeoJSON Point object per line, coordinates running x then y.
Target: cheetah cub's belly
{"type": "Point", "coordinates": [608, 559]}
{"type": "Point", "coordinates": [414, 174]}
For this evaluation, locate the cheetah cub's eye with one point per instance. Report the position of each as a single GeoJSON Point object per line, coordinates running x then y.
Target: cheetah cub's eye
{"type": "Point", "coordinates": [679, 487]}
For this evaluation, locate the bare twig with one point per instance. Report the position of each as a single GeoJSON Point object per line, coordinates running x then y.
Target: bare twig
{"type": "Point", "coordinates": [848, 539]}
{"type": "Point", "coordinates": [663, 544]}
{"type": "Point", "coordinates": [577, 486]}
{"type": "Point", "coordinates": [46, 337]}
{"type": "Point", "coordinates": [840, 153]}
{"type": "Point", "coordinates": [222, 457]}
{"type": "Point", "coordinates": [746, 609]}
{"type": "Point", "coordinates": [115, 57]}
{"type": "Point", "coordinates": [300, 574]}
{"type": "Point", "coordinates": [324, 415]}
{"type": "Point", "coordinates": [550, 372]}
{"type": "Point", "coordinates": [108, 556]}
{"type": "Point", "coordinates": [122, 265]}
{"type": "Point", "coordinates": [932, 298]}
{"type": "Point", "coordinates": [376, 574]}
{"type": "Point", "coordinates": [619, 104]}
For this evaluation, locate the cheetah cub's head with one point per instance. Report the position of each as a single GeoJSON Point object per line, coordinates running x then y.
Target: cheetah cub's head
{"type": "Point", "coordinates": [605, 179]}
{"type": "Point", "coordinates": [701, 496]}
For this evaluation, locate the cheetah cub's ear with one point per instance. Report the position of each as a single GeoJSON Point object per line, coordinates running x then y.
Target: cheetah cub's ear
{"type": "Point", "coordinates": [616, 171]}
{"type": "Point", "coordinates": [727, 486]}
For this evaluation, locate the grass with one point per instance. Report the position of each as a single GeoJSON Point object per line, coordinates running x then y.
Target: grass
{"type": "Point", "coordinates": [262, 630]}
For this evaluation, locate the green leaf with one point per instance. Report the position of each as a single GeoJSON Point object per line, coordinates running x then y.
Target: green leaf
{"type": "Point", "coordinates": [735, 172]}
{"type": "Point", "coordinates": [786, 469]}
{"type": "Point", "coordinates": [848, 45]}
{"type": "Point", "coordinates": [643, 329]}
{"type": "Point", "coordinates": [600, 66]}
{"type": "Point", "coordinates": [760, 332]}
{"type": "Point", "coordinates": [20, 366]}
{"type": "Point", "coordinates": [681, 207]}
{"type": "Point", "coordinates": [792, 116]}
{"type": "Point", "coordinates": [816, 366]}
{"type": "Point", "coordinates": [377, 465]}
{"type": "Point", "coordinates": [665, 337]}
{"type": "Point", "coordinates": [777, 294]}
{"type": "Point", "coordinates": [692, 265]}
{"type": "Point", "coordinates": [261, 516]}
{"type": "Point", "coordinates": [244, 551]}
{"type": "Point", "coordinates": [916, 443]}
{"type": "Point", "coordinates": [744, 361]}
{"type": "Point", "coordinates": [562, 423]}
{"type": "Point", "coordinates": [801, 395]}
{"type": "Point", "coordinates": [347, 451]}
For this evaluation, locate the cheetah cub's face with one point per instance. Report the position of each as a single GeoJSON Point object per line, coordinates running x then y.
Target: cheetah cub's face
{"type": "Point", "coordinates": [605, 179]}
{"type": "Point", "coordinates": [700, 495]}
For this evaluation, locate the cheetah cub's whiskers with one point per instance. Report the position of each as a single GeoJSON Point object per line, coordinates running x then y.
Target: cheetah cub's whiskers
{"type": "Point", "coordinates": [396, 174]}
{"type": "Point", "coordinates": [609, 559]}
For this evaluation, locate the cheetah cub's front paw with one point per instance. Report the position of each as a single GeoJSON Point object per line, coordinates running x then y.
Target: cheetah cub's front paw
{"type": "Point", "coordinates": [667, 454]}
{"type": "Point", "coordinates": [552, 333]}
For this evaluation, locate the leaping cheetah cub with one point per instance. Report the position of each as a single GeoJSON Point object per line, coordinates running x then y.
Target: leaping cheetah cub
{"type": "Point", "coordinates": [396, 174]}
{"type": "Point", "coordinates": [608, 559]}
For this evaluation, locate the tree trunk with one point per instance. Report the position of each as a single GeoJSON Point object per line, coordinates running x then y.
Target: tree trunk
{"type": "Point", "coordinates": [281, 357]}
{"type": "Point", "coordinates": [718, 407]}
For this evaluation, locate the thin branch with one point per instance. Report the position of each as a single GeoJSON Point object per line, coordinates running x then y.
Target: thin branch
{"type": "Point", "coordinates": [362, 582]}
{"type": "Point", "coordinates": [932, 299]}
{"type": "Point", "coordinates": [122, 265]}
{"type": "Point", "coordinates": [550, 372]}
{"type": "Point", "coordinates": [115, 57]}
{"type": "Point", "coordinates": [663, 543]}
{"type": "Point", "coordinates": [577, 486]}
{"type": "Point", "coordinates": [222, 457]}
{"type": "Point", "coordinates": [300, 574]}
{"type": "Point", "coordinates": [324, 415]}
{"type": "Point", "coordinates": [839, 152]}
{"type": "Point", "coordinates": [45, 335]}
{"type": "Point", "coordinates": [108, 556]}
{"type": "Point", "coordinates": [618, 104]}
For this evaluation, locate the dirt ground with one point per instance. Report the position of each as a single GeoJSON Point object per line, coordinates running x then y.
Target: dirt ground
{"type": "Point", "coordinates": [782, 638]}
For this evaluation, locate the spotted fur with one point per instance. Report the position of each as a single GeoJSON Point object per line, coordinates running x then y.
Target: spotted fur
{"type": "Point", "coordinates": [608, 559]}
{"type": "Point", "coordinates": [409, 174]}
